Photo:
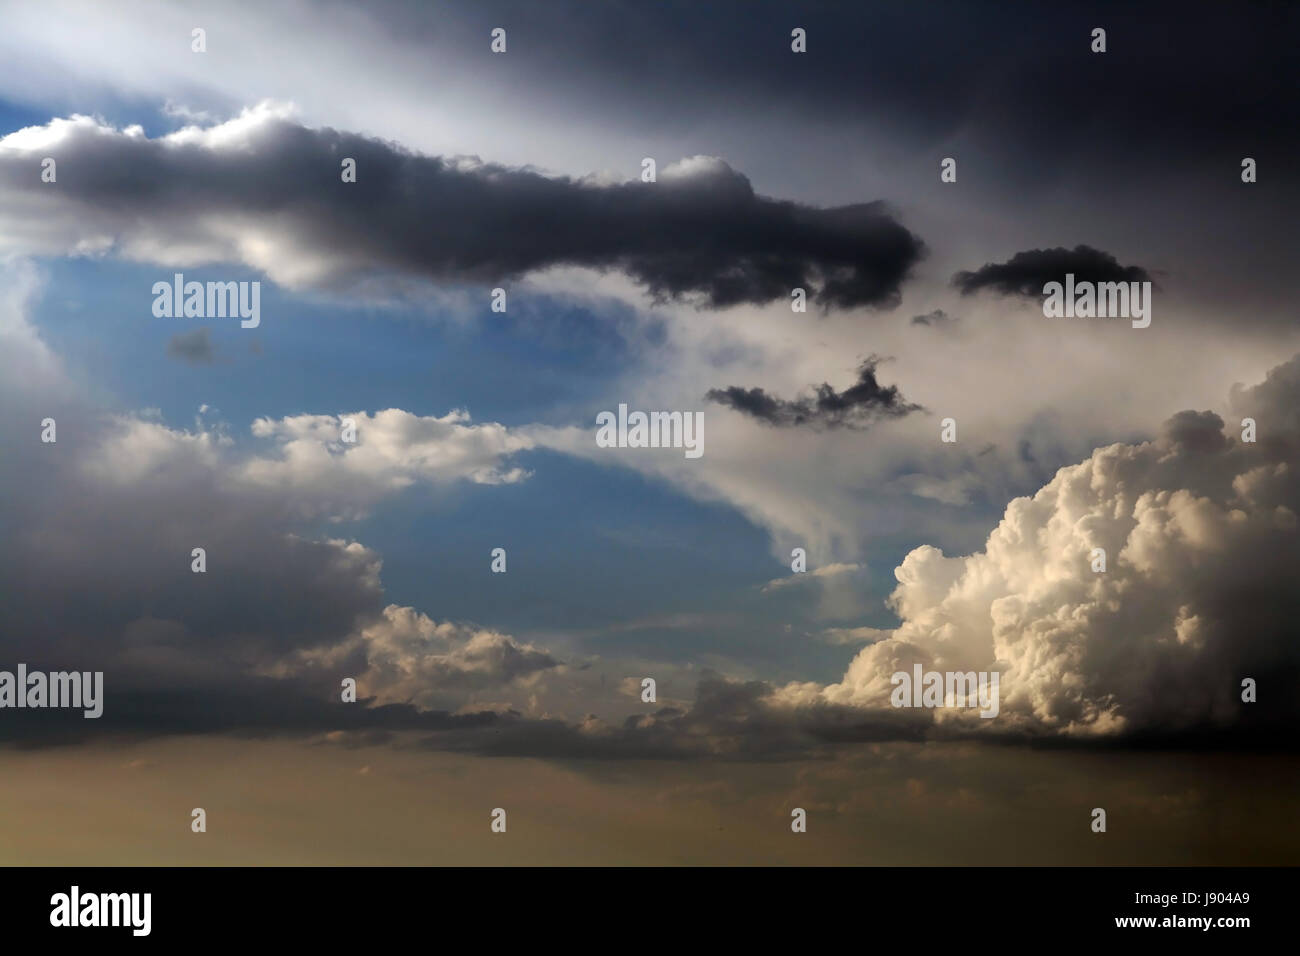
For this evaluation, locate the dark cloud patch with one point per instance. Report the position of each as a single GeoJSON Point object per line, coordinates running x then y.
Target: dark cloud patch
{"type": "Point", "coordinates": [1025, 273]}
{"type": "Point", "coordinates": [1195, 432]}
{"type": "Point", "coordinates": [192, 347]}
{"type": "Point", "coordinates": [729, 720]}
{"type": "Point", "coordinates": [858, 406]}
{"type": "Point", "coordinates": [938, 319]}
{"type": "Point", "coordinates": [699, 232]}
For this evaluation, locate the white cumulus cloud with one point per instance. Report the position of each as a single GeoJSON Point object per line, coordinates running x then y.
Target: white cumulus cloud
{"type": "Point", "coordinates": [1200, 535]}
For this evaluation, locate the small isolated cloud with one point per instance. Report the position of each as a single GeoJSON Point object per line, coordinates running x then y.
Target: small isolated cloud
{"type": "Point", "coordinates": [392, 449]}
{"type": "Point", "coordinates": [858, 406]}
{"type": "Point", "coordinates": [193, 347]}
{"type": "Point", "coordinates": [1026, 273]}
{"type": "Point", "coordinates": [938, 319]}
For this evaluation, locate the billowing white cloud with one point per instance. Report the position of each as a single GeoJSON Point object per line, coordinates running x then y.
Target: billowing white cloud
{"type": "Point", "coordinates": [1199, 530]}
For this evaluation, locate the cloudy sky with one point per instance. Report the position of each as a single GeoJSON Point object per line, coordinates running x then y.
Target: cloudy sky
{"type": "Point", "coordinates": [475, 429]}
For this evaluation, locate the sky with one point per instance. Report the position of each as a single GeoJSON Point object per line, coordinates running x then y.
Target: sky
{"type": "Point", "coordinates": [837, 266]}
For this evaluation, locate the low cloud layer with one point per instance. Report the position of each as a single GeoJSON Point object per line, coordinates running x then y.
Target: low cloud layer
{"type": "Point", "coordinates": [857, 406]}
{"type": "Point", "coordinates": [265, 192]}
{"type": "Point", "coordinates": [1025, 273]}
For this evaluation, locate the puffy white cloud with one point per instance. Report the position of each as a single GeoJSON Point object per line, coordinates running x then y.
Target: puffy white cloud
{"type": "Point", "coordinates": [393, 449]}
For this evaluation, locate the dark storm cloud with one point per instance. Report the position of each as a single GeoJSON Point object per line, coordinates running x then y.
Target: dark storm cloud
{"type": "Point", "coordinates": [193, 347]}
{"type": "Point", "coordinates": [1025, 273]}
{"type": "Point", "coordinates": [1177, 77]}
{"type": "Point", "coordinates": [1159, 123]}
{"type": "Point", "coordinates": [699, 231]}
{"type": "Point", "coordinates": [857, 406]}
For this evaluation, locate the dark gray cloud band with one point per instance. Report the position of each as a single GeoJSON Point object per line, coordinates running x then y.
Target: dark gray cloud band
{"type": "Point", "coordinates": [269, 193]}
